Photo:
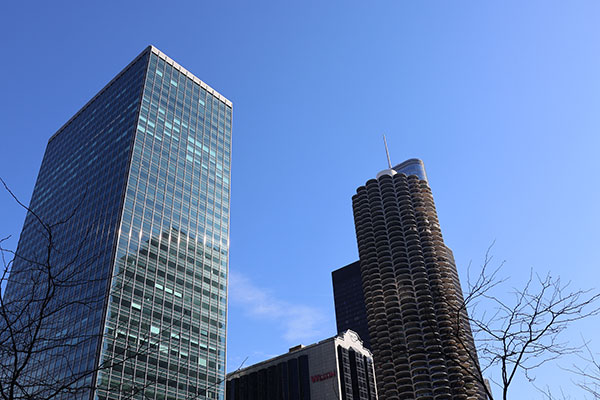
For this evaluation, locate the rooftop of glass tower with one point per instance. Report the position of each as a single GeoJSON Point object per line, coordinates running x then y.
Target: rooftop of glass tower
{"type": "Point", "coordinates": [169, 61]}
{"type": "Point", "coordinates": [412, 166]}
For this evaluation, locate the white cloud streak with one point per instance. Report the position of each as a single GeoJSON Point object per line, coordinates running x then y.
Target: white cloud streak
{"type": "Point", "coordinates": [297, 321]}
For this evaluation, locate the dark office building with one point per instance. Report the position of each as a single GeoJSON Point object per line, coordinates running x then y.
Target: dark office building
{"type": "Point", "coordinates": [350, 311]}
{"type": "Point", "coordinates": [338, 368]}
{"type": "Point", "coordinates": [130, 214]}
{"type": "Point", "coordinates": [411, 290]}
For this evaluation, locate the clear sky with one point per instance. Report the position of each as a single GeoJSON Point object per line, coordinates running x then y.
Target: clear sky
{"type": "Point", "coordinates": [501, 100]}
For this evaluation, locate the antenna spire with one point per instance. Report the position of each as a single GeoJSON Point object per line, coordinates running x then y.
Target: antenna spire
{"type": "Point", "coordinates": [387, 152]}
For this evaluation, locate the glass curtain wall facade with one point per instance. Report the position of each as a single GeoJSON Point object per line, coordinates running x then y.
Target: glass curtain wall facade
{"type": "Point", "coordinates": [144, 170]}
{"type": "Point", "coordinates": [70, 231]}
{"type": "Point", "coordinates": [171, 275]}
{"type": "Point", "coordinates": [350, 311]}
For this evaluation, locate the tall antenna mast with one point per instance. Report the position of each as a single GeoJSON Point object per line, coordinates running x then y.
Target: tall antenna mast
{"type": "Point", "coordinates": [387, 152]}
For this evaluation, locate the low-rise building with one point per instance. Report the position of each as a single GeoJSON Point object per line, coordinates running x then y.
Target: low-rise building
{"type": "Point", "coordinates": [336, 368]}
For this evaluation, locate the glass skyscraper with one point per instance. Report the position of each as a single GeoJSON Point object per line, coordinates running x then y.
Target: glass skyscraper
{"type": "Point", "coordinates": [350, 311]}
{"type": "Point", "coordinates": [135, 193]}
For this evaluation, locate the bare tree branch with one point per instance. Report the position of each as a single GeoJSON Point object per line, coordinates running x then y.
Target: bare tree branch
{"type": "Point", "coordinates": [518, 333]}
{"type": "Point", "coordinates": [41, 291]}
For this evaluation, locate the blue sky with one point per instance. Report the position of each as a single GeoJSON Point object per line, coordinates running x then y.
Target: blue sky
{"type": "Point", "coordinates": [500, 100]}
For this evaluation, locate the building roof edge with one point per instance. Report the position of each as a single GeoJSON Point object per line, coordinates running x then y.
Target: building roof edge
{"type": "Point", "coordinates": [146, 50]}
{"type": "Point", "coordinates": [339, 336]}
{"type": "Point", "coordinates": [181, 69]}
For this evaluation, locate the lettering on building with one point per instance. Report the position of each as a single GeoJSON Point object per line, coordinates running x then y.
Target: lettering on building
{"type": "Point", "coordinates": [322, 377]}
